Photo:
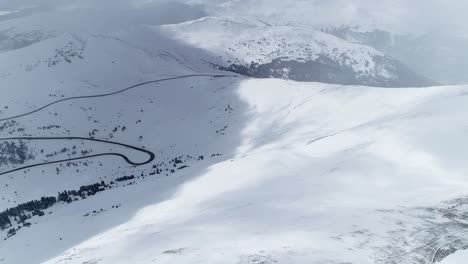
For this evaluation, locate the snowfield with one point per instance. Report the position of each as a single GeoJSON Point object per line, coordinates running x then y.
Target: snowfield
{"type": "Point", "coordinates": [291, 52]}
{"type": "Point", "coordinates": [264, 43]}
{"type": "Point", "coordinates": [315, 173]}
{"type": "Point", "coordinates": [458, 257]}
{"type": "Point", "coordinates": [246, 170]}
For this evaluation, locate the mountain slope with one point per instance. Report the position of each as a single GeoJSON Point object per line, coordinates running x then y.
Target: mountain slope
{"type": "Point", "coordinates": [439, 55]}
{"type": "Point", "coordinates": [299, 53]}
{"type": "Point", "coordinates": [143, 132]}
{"type": "Point", "coordinates": [299, 166]}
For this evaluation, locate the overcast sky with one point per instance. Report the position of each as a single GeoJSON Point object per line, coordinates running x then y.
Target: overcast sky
{"type": "Point", "coordinates": [398, 15]}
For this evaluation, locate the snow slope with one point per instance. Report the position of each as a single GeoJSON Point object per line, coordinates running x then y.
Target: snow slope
{"type": "Point", "coordinates": [260, 49]}
{"type": "Point", "coordinates": [246, 171]}
{"type": "Point", "coordinates": [456, 258]}
{"type": "Point", "coordinates": [437, 54]}
{"type": "Point", "coordinates": [303, 158]}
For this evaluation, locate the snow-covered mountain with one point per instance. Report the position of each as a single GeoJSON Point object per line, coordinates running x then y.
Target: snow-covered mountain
{"type": "Point", "coordinates": [199, 132]}
{"type": "Point", "coordinates": [440, 55]}
{"type": "Point", "coordinates": [259, 49]}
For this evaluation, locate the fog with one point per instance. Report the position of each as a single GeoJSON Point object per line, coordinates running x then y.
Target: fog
{"type": "Point", "coordinates": [415, 16]}
{"type": "Point", "coordinates": [398, 15]}
{"type": "Point", "coordinates": [430, 36]}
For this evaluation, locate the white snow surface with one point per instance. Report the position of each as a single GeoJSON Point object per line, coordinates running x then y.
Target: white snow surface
{"type": "Point", "coordinates": [243, 41]}
{"type": "Point", "coordinates": [292, 172]}
{"type": "Point", "coordinates": [456, 258]}
{"type": "Point", "coordinates": [285, 191]}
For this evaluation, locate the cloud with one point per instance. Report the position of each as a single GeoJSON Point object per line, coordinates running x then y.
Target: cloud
{"type": "Point", "coordinates": [397, 15]}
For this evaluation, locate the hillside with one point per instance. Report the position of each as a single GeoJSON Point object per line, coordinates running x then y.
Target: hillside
{"type": "Point", "coordinates": [296, 164]}
{"type": "Point", "coordinates": [437, 54]}
{"type": "Point", "coordinates": [299, 53]}
{"type": "Point", "coordinates": [198, 132]}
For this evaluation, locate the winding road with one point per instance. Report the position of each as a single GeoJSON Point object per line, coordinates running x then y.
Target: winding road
{"type": "Point", "coordinates": [116, 92]}
{"type": "Point", "coordinates": [151, 155]}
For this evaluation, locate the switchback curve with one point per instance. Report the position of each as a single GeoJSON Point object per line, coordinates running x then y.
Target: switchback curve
{"type": "Point", "coordinates": [151, 155]}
